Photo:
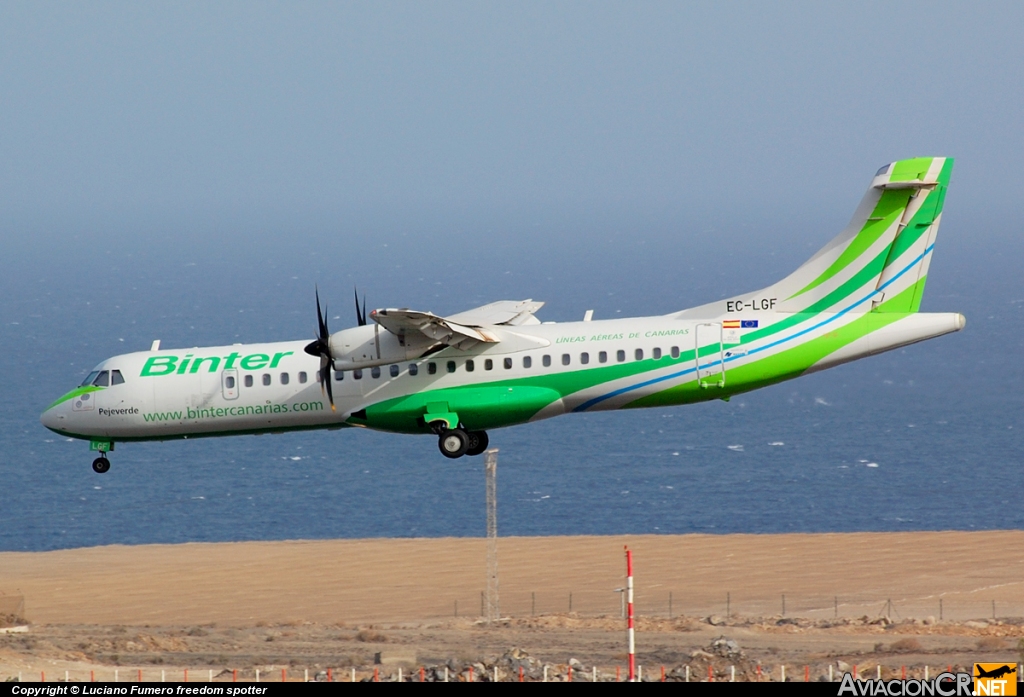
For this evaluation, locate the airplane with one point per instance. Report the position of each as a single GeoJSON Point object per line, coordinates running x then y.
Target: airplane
{"type": "Point", "coordinates": [995, 672]}
{"type": "Point", "coordinates": [461, 376]}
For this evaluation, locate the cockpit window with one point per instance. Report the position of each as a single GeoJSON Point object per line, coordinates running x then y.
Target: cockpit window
{"type": "Point", "coordinates": [88, 380]}
{"type": "Point", "coordinates": [115, 377]}
{"type": "Point", "coordinates": [103, 380]}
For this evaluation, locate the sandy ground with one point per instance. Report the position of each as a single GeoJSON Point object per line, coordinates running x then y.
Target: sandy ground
{"type": "Point", "coordinates": [311, 604]}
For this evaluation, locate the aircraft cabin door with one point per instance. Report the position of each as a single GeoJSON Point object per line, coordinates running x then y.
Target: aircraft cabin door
{"type": "Point", "coordinates": [229, 383]}
{"type": "Point", "coordinates": [709, 355]}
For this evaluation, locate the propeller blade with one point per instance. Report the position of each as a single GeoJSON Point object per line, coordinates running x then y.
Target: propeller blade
{"type": "Point", "coordinates": [326, 379]}
{"type": "Point", "coordinates": [322, 347]}
{"type": "Point", "coordinates": [324, 332]}
{"type": "Point", "coordinates": [360, 315]}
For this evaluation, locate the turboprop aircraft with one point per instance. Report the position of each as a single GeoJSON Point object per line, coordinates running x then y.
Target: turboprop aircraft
{"type": "Point", "coordinates": [460, 376]}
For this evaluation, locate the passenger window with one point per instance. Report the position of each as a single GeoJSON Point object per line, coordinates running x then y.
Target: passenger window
{"type": "Point", "coordinates": [318, 378]}
{"type": "Point", "coordinates": [546, 360]}
{"type": "Point", "coordinates": [414, 369]}
{"type": "Point", "coordinates": [375, 372]}
{"type": "Point", "coordinates": [103, 379]}
{"type": "Point", "coordinates": [488, 364]}
{"type": "Point", "coordinates": [432, 368]}
{"type": "Point", "coordinates": [565, 359]}
{"type": "Point", "coordinates": [339, 375]}
{"type": "Point", "coordinates": [602, 357]}
{"type": "Point", "coordinates": [229, 382]}
{"type": "Point", "coordinates": [584, 358]}
{"type": "Point", "coordinates": [394, 371]}
{"type": "Point", "coordinates": [675, 352]}
{"type": "Point", "coordinates": [527, 361]}
{"type": "Point", "coordinates": [470, 366]}
{"type": "Point", "coordinates": [657, 353]}
{"type": "Point", "coordinates": [266, 378]}
{"type": "Point", "coordinates": [357, 374]}
{"type": "Point", "coordinates": [284, 378]}
{"type": "Point", "coordinates": [639, 353]}
{"type": "Point", "coordinates": [450, 366]}
{"type": "Point", "coordinates": [248, 380]}
{"type": "Point", "coordinates": [302, 378]}
{"type": "Point", "coordinates": [620, 356]}
{"type": "Point", "coordinates": [508, 364]}
{"type": "Point", "coordinates": [115, 377]}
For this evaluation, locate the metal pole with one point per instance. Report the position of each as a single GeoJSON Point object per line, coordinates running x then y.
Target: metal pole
{"type": "Point", "coordinates": [629, 621]}
{"type": "Point", "coordinates": [491, 470]}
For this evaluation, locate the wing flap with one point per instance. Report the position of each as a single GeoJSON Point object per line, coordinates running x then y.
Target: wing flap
{"type": "Point", "coordinates": [511, 312]}
{"type": "Point", "coordinates": [412, 327]}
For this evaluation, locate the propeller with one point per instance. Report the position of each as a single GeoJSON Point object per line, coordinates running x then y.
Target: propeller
{"type": "Point", "coordinates": [322, 347]}
{"type": "Point", "coordinates": [360, 314]}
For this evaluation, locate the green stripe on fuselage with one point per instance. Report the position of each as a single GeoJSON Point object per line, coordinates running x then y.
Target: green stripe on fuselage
{"type": "Point", "coordinates": [784, 365]}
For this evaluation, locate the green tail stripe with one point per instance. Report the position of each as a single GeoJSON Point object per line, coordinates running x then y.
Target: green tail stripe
{"type": "Point", "coordinates": [888, 210]}
{"type": "Point", "coordinates": [915, 304]}
{"type": "Point", "coordinates": [909, 170]}
{"type": "Point", "coordinates": [924, 217]}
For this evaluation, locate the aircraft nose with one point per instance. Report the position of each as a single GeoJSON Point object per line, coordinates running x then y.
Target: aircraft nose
{"type": "Point", "coordinates": [51, 418]}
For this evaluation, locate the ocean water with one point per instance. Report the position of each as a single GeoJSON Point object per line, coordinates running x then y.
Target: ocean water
{"type": "Point", "coordinates": [923, 438]}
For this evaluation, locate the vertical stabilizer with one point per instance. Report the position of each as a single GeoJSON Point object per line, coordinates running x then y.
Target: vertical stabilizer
{"type": "Point", "coordinates": [884, 250]}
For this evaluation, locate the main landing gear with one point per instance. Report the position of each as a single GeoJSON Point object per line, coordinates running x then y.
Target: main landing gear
{"type": "Point", "coordinates": [101, 464]}
{"type": "Point", "coordinates": [456, 442]}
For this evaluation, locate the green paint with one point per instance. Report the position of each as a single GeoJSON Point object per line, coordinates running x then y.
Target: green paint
{"type": "Point", "coordinates": [910, 170]}
{"type": "Point", "coordinates": [255, 361]}
{"type": "Point", "coordinates": [915, 304]}
{"type": "Point", "coordinates": [781, 366]}
{"type": "Point", "coordinates": [887, 212]}
{"type": "Point", "coordinates": [170, 365]}
{"type": "Point", "coordinates": [214, 364]}
{"type": "Point", "coordinates": [478, 407]}
{"type": "Point", "coordinates": [159, 365]}
{"type": "Point", "coordinates": [925, 216]}
{"type": "Point", "coordinates": [74, 393]}
{"type": "Point", "coordinates": [278, 357]}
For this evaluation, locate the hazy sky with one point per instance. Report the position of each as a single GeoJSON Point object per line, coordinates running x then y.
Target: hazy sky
{"type": "Point", "coordinates": [323, 111]}
{"type": "Point", "coordinates": [186, 171]}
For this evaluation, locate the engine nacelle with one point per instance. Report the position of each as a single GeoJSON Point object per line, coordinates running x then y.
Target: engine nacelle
{"type": "Point", "coordinates": [369, 346]}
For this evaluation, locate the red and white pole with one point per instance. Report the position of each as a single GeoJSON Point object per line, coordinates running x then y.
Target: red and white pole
{"type": "Point", "coordinates": [629, 616]}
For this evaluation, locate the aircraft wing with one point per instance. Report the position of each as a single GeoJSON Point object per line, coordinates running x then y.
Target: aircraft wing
{"type": "Point", "coordinates": [412, 327]}
{"type": "Point", "coordinates": [502, 312]}
{"type": "Point", "coordinates": [463, 330]}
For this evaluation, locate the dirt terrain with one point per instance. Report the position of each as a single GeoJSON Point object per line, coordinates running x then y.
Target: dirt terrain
{"type": "Point", "coordinates": [861, 599]}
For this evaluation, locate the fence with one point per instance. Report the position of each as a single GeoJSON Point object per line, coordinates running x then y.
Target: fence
{"type": "Point", "coordinates": [671, 604]}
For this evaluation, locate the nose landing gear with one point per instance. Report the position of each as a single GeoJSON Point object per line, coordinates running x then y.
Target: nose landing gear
{"type": "Point", "coordinates": [101, 464]}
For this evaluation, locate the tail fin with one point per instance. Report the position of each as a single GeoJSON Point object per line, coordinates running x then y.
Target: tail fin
{"type": "Point", "coordinates": [885, 250]}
